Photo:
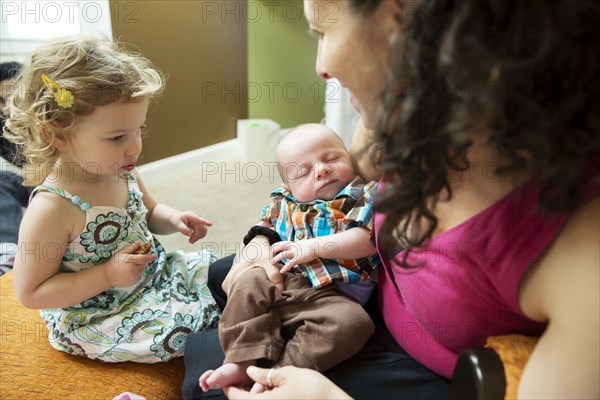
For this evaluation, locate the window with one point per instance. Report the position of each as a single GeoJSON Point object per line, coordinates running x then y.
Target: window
{"type": "Point", "coordinates": [26, 24]}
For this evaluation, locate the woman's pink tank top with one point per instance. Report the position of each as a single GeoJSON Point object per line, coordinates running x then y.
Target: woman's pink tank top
{"type": "Point", "coordinates": [467, 288]}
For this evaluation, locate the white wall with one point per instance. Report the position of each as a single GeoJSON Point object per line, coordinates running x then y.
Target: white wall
{"type": "Point", "coordinates": [339, 113]}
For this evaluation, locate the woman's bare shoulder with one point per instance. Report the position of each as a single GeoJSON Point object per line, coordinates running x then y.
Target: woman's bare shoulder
{"type": "Point", "coordinates": [573, 256]}
{"type": "Point", "coordinates": [563, 288]}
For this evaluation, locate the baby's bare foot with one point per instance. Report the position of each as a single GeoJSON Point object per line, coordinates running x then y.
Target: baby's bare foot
{"type": "Point", "coordinates": [230, 374]}
{"type": "Point", "coordinates": [203, 378]}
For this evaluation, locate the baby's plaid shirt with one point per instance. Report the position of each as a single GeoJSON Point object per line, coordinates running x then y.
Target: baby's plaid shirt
{"type": "Point", "coordinates": [352, 207]}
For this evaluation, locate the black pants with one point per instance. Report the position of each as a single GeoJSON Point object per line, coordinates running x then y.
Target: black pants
{"type": "Point", "coordinates": [13, 196]}
{"type": "Point", "coordinates": [381, 370]}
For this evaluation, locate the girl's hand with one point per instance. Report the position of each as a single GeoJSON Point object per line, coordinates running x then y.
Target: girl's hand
{"type": "Point", "coordinates": [299, 252]}
{"type": "Point", "coordinates": [288, 383]}
{"type": "Point", "coordinates": [126, 268]}
{"type": "Point", "coordinates": [191, 224]}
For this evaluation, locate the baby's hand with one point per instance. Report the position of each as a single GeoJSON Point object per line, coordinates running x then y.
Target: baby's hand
{"type": "Point", "coordinates": [299, 252]}
{"type": "Point", "coordinates": [191, 224]}
{"type": "Point", "coordinates": [125, 267]}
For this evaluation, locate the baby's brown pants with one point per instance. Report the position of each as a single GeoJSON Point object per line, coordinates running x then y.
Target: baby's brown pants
{"type": "Point", "coordinates": [301, 326]}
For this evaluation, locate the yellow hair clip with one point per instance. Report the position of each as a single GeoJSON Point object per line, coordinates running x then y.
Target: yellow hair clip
{"type": "Point", "coordinates": [63, 97]}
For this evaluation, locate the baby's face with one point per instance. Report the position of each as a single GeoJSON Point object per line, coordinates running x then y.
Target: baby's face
{"type": "Point", "coordinates": [315, 164]}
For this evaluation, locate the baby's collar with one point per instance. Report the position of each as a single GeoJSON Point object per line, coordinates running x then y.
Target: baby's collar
{"type": "Point", "coordinates": [345, 192]}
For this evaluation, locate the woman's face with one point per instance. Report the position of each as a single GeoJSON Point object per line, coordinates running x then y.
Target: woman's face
{"type": "Point", "coordinates": [353, 49]}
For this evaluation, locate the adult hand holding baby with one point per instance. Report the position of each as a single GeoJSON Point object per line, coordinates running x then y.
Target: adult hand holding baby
{"type": "Point", "coordinates": [255, 254]}
{"type": "Point", "coordinates": [286, 383]}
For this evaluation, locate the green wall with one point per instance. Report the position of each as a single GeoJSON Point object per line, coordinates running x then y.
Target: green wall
{"type": "Point", "coordinates": [282, 83]}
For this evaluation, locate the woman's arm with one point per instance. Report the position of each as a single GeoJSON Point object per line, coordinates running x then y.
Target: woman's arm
{"type": "Point", "coordinates": [360, 151]}
{"type": "Point", "coordinates": [564, 289]}
{"type": "Point", "coordinates": [164, 220]}
{"type": "Point", "coordinates": [257, 253]}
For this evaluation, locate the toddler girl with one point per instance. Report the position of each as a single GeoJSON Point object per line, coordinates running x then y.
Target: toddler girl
{"type": "Point", "coordinates": [105, 286]}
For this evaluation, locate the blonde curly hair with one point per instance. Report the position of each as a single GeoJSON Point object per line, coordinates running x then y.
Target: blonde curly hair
{"type": "Point", "coordinates": [95, 69]}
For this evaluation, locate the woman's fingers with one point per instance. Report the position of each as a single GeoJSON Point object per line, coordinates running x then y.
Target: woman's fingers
{"type": "Point", "coordinates": [265, 376]}
{"type": "Point", "coordinates": [275, 277]}
{"type": "Point", "coordinates": [235, 393]}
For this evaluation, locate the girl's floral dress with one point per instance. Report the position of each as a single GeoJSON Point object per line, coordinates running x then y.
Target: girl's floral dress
{"type": "Point", "coordinates": [146, 322]}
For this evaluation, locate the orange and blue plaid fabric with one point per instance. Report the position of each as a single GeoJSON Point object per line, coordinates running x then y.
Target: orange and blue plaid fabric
{"type": "Point", "coordinates": [352, 207]}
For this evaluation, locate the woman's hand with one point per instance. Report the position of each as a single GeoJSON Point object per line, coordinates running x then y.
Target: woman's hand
{"type": "Point", "coordinates": [257, 253]}
{"type": "Point", "coordinates": [126, 268]}
{"type": "Point", "coordinates": [191, 224]}
{"type": "Point", "coordinates": [288, 383]}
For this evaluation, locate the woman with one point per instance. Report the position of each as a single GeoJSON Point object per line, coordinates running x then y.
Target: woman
{"type": "Point", "coordinates": [487, 136]}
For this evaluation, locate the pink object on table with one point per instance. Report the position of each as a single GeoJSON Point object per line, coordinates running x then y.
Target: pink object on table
{"type": "Point", "coordinates": [129, 396]}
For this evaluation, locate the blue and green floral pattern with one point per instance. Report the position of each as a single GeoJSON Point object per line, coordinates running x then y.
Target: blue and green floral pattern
{"type": "Point", "coordinates": [146, 322]}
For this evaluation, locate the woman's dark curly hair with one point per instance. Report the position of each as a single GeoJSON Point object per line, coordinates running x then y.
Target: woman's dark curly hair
{"type": "Point", "coordinates": [536, 64]}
